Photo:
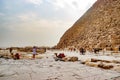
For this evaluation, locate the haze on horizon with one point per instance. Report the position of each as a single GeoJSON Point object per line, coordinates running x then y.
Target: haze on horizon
{"type": "Point", "coordinates": [38, 22]}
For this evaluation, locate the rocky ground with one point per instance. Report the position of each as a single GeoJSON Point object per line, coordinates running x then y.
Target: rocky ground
{"type": "Point", "coordinates": [49, 69]}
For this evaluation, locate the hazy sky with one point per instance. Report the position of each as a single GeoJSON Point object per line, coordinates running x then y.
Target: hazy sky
{"type": "Point", "coordinates": [38, 22]}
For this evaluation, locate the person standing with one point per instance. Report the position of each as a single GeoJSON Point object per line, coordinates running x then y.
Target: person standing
{"type": "Point", "coordinates": [34, 52]}
{"type": "Point", "coordinates": [10, 50]}
{"type": "Point", "coordinates": [119, 48]}
{"type": "Point", "coordinates": [17, 56]}
{"type": "Point", "coordinates": [82, 51]}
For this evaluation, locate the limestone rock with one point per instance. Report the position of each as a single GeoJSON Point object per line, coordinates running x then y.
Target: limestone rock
{"type": "Point", "coordinates": [98, 27]}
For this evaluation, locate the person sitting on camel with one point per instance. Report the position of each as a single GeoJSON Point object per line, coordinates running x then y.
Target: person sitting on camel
{"type": "Point", "coordinates": [59, 57]}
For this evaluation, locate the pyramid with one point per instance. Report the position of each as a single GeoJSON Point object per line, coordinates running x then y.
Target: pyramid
{"type": "Point", "coordinates": [99, 27]}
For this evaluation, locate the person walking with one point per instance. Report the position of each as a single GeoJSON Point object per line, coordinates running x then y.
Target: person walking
{"type": "Point", "coordinates": [34, 52]}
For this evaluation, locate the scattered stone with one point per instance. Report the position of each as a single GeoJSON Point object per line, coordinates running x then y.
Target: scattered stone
{"type": "Point", "coordinates": [73, 59]}
{"type": "Point", "coordinates": [2, 75]}
{"type": "Point", "coordinates": [92, 64]}
{"type": "Point", "coordinates": [116, 61]}
{"type": "Point", "coordinates": [50, 65]}
{"type": "Point", "coordinates": [104, 66]}
{"type": "Point", "coordinates": [117, 68]}
{"type": "Point", "coordinates": [96, 60]}
{"type": "Point", "coordinates": [65, 59]}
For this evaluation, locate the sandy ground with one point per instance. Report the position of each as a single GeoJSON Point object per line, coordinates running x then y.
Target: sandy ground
{"type": "Point", "coordinates": [49, 69]}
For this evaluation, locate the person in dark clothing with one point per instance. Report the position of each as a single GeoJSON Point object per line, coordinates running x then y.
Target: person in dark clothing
{"type": "Point", "coordinates": [17, 56]}
{"type": "Point", "coordinates": [10, 50]}
{"type": "Point", "coordinates": [96, 50]}
{"type": "Point", "coordinates": [82, 51]}
{"type": "Point", "coordinates": [119, 48]}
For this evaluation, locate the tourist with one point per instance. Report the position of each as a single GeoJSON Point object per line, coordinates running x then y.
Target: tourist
{"type": "Point", "coordinates": [10, 49]}
{"type": "Point", "coordinates": [119, 48]}
{"type": "Point", "coordinates": [17, 56]}
{"type": "Point", "coordinates": [34, 52]}
{"type": "Point", "coordinates": [59, 57]}
{"type": "Point", "coordinates": [82, 51]}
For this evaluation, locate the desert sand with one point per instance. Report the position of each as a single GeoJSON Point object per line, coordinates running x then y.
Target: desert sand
{"type": "Point", "coordinates": [46, 68]}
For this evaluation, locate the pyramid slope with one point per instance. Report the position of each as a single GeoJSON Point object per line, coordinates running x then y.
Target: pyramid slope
{"type": "Point", "coordinates": [98, 27]}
